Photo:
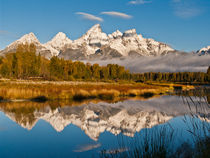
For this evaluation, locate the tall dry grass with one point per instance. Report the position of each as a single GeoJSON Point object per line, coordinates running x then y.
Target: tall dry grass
{"type": "Point", "coordinates": [54, 90]}
{"type": "Point", "coordinates": [200, 131]}
{"type": "Point", "coordinates": [160, 144]}
{"type": "Point", "coordinates": [155, 143]}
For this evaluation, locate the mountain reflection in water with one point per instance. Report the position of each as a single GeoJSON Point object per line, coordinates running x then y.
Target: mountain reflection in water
{"type": "Point", "coordinates": [95, 118]}
{"type": "Point", "coordinates": [127, 117]}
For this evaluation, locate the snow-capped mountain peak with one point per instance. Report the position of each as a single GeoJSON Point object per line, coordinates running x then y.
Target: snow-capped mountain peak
{"type": "Point", "coordinates": [44, 50]}
{"type": "Point", "coordinates": [115, 35]}
{"type": "Point", "coordinates": [60, 36]}
{"type": "Point", "coordinates": [27, 38]}
{"type": "Point", "coordinates": [95, 44]}
{"type": "Point", "coordinates": [95, 28]}
{"type": "Point", "coordinates": [204, 51]}
{"type": "Point", "coordinates": [93, 31]}
{"type": "Point", "coordinates": [94, 37]}
{"type": "Point", "coordinates": [59, 41]}
{"type": "Point", "coordinates": [130, 33]}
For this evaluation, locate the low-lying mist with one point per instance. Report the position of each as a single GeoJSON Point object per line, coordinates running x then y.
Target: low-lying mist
{"type": "Point", "coordinates": [168, 63]}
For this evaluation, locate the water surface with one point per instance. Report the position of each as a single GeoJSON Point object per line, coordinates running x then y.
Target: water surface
{"type": "Point", "coordinates": [62, 129]}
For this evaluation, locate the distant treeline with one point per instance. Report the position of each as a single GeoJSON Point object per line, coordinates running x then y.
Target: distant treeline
{"type": "Point", "coordinates": [25, 64]}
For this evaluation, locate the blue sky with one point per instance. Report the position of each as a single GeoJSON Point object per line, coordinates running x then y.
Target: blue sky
{"type": "Point", "coordinates": [183, 24]}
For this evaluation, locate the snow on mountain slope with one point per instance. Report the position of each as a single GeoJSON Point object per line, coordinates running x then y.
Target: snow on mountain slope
{"type": "Point", "coordinates": [204, 51]}
{"type": "Point", "coordinates": [30, 38]}
{"type": "Point", "coordinates": [131, 41]}
{"type": "Point", "coordinates": [124, 43]}
{"type": "Point", "coordinates": [58, 42]}
{"type": "Point", "coordinates": [92, 40]}
{"type": "Point", "coordinates": [115, 35]}
{"type": "Point", "coordinates": [95, 41]}
{"type": "Point", "coordinates": [93, 37]}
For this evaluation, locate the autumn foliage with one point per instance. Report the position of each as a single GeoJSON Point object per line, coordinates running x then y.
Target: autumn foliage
{"type": "Point", "coordinates": [25, 63]}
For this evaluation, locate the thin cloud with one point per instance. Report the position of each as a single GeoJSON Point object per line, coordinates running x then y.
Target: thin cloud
{"type": "Point", "coordinates": [176, 1]}
{"type": "Point", "coordinates": [87, 147]}
{"type": "Point", "coordinates": [7, 34]}
{"type": "Point", "coordinates": [117, 14]}
{"type": "Point", "coordinates": [187, 12]}
{"type": "Point", "coordinates": [3, 32]}
{"type": "Point", "coordinates": [139, 2]}
{"type": "Point", "coordinates": [90, 16]}
{"type": "Point", "coordinates": [186, 8]}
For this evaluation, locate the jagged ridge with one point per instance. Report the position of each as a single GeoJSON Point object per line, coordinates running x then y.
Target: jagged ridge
{"type": "Point", "coordinates": [94, 42]}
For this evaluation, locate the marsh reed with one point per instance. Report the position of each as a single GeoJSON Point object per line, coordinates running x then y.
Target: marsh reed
{"type": "Point", "coordinates": [75, 91]}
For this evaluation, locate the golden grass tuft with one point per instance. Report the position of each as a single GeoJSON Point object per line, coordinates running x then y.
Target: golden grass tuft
{"type": "Point", "coordinates": [74, 90]}
{"type": "Point", "coordinates": [81, 95]}
{"type": "Point", "coordinates": [133, 92]}
{"type": "Point", "coordinates": [105, 94]}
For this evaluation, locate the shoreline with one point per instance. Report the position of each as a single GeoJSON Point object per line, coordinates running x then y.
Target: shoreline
{"type": "Point", "coordinates": [41, 91]}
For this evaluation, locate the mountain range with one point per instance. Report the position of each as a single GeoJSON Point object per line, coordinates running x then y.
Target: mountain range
{"type": "Point", "coordinates": [94, 44]}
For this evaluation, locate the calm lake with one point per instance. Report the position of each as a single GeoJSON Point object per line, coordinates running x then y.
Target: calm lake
{"type": "Point", "coordinates": [84, 129]}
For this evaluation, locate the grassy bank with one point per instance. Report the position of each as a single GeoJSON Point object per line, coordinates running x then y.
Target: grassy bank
{"type": "Point", "coordinates": [46, 90]}
{"type": "Point", "coordinates": [183, 86]}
